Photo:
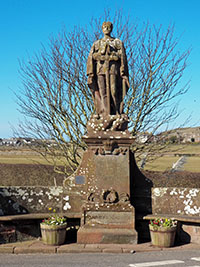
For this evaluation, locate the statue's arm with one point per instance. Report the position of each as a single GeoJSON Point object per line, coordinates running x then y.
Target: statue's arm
{"type": "Point", "coordinates": [90, 63]}
{"type": "Point", "coordinates": [91, 69]}
{"type": "Point", "coordinates": [124, 66]}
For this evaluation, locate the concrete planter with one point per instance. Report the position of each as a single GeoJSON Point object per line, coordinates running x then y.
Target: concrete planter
{"type": "Point", "coordinates": [53, 234]}
{"type": "Point", "coordinates": [162, 236]}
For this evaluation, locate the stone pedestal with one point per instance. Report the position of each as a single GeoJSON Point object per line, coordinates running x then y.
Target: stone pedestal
{"type": "Point", "coordinates": [107, 214]}
{"type": "Point", "coordinates": [107, 226]}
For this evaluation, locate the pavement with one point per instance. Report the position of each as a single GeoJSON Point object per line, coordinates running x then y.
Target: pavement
{"type": "Point", "coordinates": [37, 246]}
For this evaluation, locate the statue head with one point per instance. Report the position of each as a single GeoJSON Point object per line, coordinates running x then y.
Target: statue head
{"type": "Point", "coordinates": [107, 27]}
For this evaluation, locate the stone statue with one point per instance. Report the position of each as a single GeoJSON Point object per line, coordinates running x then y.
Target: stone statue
{"type": "Point", "coordinates": [107, 72]}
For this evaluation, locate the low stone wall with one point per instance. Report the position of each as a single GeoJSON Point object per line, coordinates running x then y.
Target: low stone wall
{"type": "Point", "coordinates": [179, 201]}
{"type": "Point", "coordinates": [145, 197]}
{"type": "Point", "coordinates": [172, 200]}
{"type": "Point", "coordinates": [36, 199]}
{"type": "Point", "coordinates": [32, 199]}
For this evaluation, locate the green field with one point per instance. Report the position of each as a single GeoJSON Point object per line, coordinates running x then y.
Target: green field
{"type": "Point", "coordinates": [24, 167]}
{"type": "Point", "coordinates": [22, 156]}
{"type": "Point", "coordinates": [23, 159]}
{"type": "Point", "coordinates": [171, 154]}
{"type": "Point", "coordinates": [165, 163]}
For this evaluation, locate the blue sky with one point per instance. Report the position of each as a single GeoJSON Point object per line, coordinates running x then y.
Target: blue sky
{"type": "Point", "coordinates": [26, 24]}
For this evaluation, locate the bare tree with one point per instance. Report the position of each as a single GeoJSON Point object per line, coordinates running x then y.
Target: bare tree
{"type": "Point", "coordinates": [57, 102]}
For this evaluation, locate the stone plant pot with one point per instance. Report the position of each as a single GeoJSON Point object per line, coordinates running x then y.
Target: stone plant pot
{"type": "Point", "coordinates": [162, 236]}
{"type": "Point", "coordinates": [53, 234]}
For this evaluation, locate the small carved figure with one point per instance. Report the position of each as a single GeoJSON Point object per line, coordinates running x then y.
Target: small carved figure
{"type": "Point", "coordinates": [124, 197]}
{"type": "Point", "coordinates": [110, 196]}
{"type": "Point", "coordinates": [107, 71]}
{"type": "Point", "coordinates": [94, 197]}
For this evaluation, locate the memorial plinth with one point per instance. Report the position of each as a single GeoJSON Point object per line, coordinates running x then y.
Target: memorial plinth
{"type": "Point", "coordinates": [107, 214]}
{"type": "Point", "coordinates": [105, 172]}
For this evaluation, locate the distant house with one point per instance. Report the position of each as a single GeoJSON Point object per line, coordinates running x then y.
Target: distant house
{"type": "Point", "coordinates": [143, 137]}
{"type": "Point", "coordinates": [191, 135]}
{"type": "Point", "coordinates": [8, 142]}
{"type": "Point", "coordinates": [20, 141]}
{"type": "Point", "coordinates": [181, 135]}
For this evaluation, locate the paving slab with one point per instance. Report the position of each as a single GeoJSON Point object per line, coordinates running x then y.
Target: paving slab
{"type": "Point", "coordinates": [37, 246]}
{"type": "Point", "coordinates": [92, 250]}
{"type": "Point", "coordinates": [41, 245]}
{"type": "Point", "coordinates": [31, 250]}
{"type": "Point", "coordinates": [104, 246]}
{"type": "Point", "coordinates": [19, 244]}
{"type": "Point", "coordinates": [9, 249]}
{"type": "Point", "coordinates": [71, 248]}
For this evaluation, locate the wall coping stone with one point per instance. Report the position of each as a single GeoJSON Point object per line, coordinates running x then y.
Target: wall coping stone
{"type": "Point", "coordinates": [181, 218]}
{"type": "Point", "coordinates": [37, 216]}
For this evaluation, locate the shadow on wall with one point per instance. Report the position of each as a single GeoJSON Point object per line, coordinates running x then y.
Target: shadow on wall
{"type": "Point", "coordinates": [8, 206]}
{"type": "Point", "coordinates": [140, 199]}
{"type": "Point", "coordinates": [182, 237]}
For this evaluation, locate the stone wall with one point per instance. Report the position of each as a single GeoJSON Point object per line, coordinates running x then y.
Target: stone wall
{"type": "Point", "coordinates": [172, 200]}
{"type": "Point", "coordinates": [27, 199]}
{"type": "Point", "coordinates": [144, 197]}
{"type": "Point", "coordinates": [179, 201]}
{"type": "Point", "coordinates": [149, 193]}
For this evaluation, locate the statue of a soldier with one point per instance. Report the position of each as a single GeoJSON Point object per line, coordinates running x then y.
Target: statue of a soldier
{"type": "Point", "coordinates": [107, 71]}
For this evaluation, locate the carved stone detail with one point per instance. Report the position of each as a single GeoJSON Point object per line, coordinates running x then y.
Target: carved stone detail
{"type": "Point", "coordinates": [120, 151]}
{"type": "Point", "coordinates": [109, 146]}
{"type": "Point", "coordinates": [107, 123]}
{"type": "Point", "coordinates": [124, 197]}
{"type": "Point", "coordinates": [109, 196]}
{"type": "Point", "coordinates": [108, 150]}
{"type": "Point", "coordinates": [94, 197]}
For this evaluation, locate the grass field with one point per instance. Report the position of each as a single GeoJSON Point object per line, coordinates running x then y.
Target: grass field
{"type": "Point", "coordinates": [21, 156]}
{"type": "Point", "coordinates": [24, 167]}
{"type": "Point", "coordinates": [18, 155]}
{"type": "Point", "coordinates": [172, 154]}
{"type": "Point", "coordinates": [27, 159]}
{"type": "Point", "coordinates": [165, 163]}
{"type": "Point", "coordinates": [185, 148]}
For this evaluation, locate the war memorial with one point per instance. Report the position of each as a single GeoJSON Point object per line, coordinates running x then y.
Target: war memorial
{"type": "Point", "coordinates": [108, 216]}
{"type": "Point", "coordinates": [107, 199]}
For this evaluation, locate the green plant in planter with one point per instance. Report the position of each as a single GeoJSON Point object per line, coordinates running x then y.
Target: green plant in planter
{"type": "Point", "coordinates": [162, 231]}
{"type": "Point", "coordinates": [54, 219]}
{"type": "Point", "coordinates": [162, 222]}
{"type": "Point", "coordinates": [53, 229]}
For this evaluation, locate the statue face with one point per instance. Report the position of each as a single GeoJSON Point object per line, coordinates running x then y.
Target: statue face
{"type": "Point", "coordinates": [107, 28]}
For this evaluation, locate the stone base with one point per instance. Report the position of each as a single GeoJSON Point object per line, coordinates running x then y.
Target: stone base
{"type": "Point", "coordinates": [106, 175]}
{"type": "Point", "coordinates": [108, 226]}
{"type": "Point", "coordinates": [103, 235]}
